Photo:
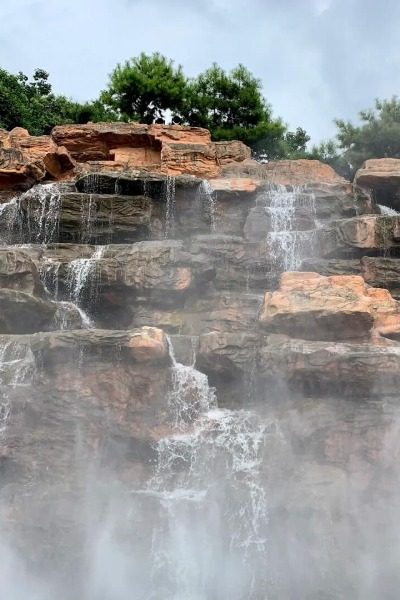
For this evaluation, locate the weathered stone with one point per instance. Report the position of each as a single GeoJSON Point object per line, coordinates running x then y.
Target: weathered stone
{"type": "Point", "coordinates": [382, 177]}
{"type": "Point", "coordinates": [232, 152]}
{"type": "Point", "coordinates": [227, 354]}
{"type": "Point", "coordinates": [334, 266]}
{"type": "Point", "coordinates": [104, 392]}
{"type": "Point", "coordinates": [25, 159]}
{"type": "Point", "coordinates": [382, 272]}
{"type": "Point", "coordinates": [23, 313]}
{"type": "Point", "coordinates": [147, 344]}
{"type": "Point", "coordinates": [314, 307]}
{"type": "Point", "coordinates": [160, 266]}
{"type": "Point", "coordinates": [313, 206]}
{"type": "Point", "coordinates": [288, 172]}
{"type": "Point", "coordinates": [317, 367]}
{"type": "Point", "coordinates": [358, 235]}
{"type": "Point", "coordinates": [18, 272]}
{"type": "Point", "coordinates": [69, 316]}
{"type": "Point", "coordinates": [238, 186]}
{"type": "Point", "coordinates": [238, 264]}
{"type": "Point", "coordinates": [224, 312]}
{"type": "Point", "coordinates": [98, 141]}
{"type": "Point", "coordinates": [93, 218]}
{"type": "Point", "coordinates": [170, 149]}
{"type": "Point", "coordinates": [192, 159]}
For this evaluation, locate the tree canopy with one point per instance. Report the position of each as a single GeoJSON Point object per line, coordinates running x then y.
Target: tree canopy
{"type": "Point", "coordinates": [376, 136]}
{"type": "Point", "coordinates": [33, 105]}
{"type": "Point", "coordinates": [147, 88]}
{"type": "Point", "coordinates": [143, 87]}
{"type": "Point", "coordinates": [230, 105]}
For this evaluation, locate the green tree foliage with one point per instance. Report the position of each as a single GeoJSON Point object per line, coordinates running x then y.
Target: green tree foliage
{"type": "Point", "coordinates": [148, 87]}
{"type": "Point", "coordinates": [377, 136]}
{"type": "Point", "coordinates": [32, 104]}
{"type": "Point", "coordinates": [13, 100]}
{"type": "Point", "coordinates": [329, 152]}
{"type": "Point", "coordinates": [296, 142]}
{"type": "Point", "coordinates": [231, 106]}
{"type": "Point", "coordinates": [143, 87]}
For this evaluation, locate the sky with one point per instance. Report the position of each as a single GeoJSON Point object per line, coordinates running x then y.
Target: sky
{"type": "Point", "coordinates": [317, 59]}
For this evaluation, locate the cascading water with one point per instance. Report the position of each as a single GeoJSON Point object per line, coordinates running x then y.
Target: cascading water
{"type": "Point", "coordinates": [15, 364]}
{"type": "Point", "coordinates": [170, 206]}
{"type": "Point", "coordinates": [289, 246]}
{"type": "Point", "coordinates": [70, 316]}
{"type": "Point", "coordinates": [208, 532]}
{"type": "Point", "coordinates": [9, 213]}
{"type": "Point", "coordinates": [43, 205]}
{"type": "Point", "coordinates": [88, 218]}
{"type": "Point", "coordinates": [207, 199]}
{"type": "Point", "coordinates": [387, 211]}
{"type": "Point", "coordinates": [82, 273]}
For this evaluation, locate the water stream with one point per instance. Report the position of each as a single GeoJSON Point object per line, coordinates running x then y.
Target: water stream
{"type": "Point", "coordinates": [215, 503]}
{"type": "Point", "coordinates": [82, 275]}
{"type": "Point", "coordinates": [170, 206]}
{"type": "Point", "coordinates": [288, 245]}
{"type": "Point", "coordinates": [210, 506]}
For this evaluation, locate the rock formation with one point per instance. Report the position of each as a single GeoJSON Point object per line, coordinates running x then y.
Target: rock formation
{"type": "Point", "coordinates": [137, 261]}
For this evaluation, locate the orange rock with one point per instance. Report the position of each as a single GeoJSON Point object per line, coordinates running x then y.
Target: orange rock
{"type": "Point", "coordinates": [26, 159]}
{"type": "Point", "coordinates": [232, 152]}
{"type": "Point", "coordinates": [377, 171]}
{"type": "Point", "coordinates": [148, 344]}
{"type": "Point", "coordinates": [288, 172]}
{"type": "Point", "coordinates": [314, 307]}
{"type": "Point", "coordinates": [235, 184]}
{"type": "Point", "coordinates": [171, 149]}
{"type": "Point", "coordinates": [178, 134]}
{"type": "Point", "coordinates": [190, 159]}
{"type": "Point", "coordinates": [382, 176]}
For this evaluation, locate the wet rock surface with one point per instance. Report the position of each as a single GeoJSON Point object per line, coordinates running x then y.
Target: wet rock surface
{"type": "Point", "coordinates": [381, 176]}
{"type": "Point", "coordinates": [267, 278]}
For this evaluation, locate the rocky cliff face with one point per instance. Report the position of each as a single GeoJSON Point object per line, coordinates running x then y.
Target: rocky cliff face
{"type": "Point", "coordinates": [147, 259]}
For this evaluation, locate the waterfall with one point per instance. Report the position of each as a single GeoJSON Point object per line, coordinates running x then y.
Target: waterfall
{"type": "Point", "coordinates": [88, 218]}
{"type": "Point", "coordinates": [9, 212]}
{"type": "Point", "coordinates": [82, 272]}
{"type": "Point", "coordinates": [16, 361]}
{"type": "Point", "coordinates": [289, 246]}
{"type": "Point", "coordinates": [170, 206]}
{"type": "Point", "coordinates": [207, 199]}
{"type": "Point", "coordinates": [43, 205]}
{"type": "Point", "coordinates": [67, 315]}
{"type": "Point", "coordinates": [387, 211]}
{"type": "Point", "coordinates": [208, 537]}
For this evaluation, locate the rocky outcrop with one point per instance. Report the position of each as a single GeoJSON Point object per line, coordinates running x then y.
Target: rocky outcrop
{"type": "Point", "coordinates": [173, 150]}
{"type": "Point", "coordinates": [378, 271]}
{"type": "Point", "coordinates": [320, 368]}
{"type": "Point", "coordinates": [160, 231]}
{"type": "Point", "coordinates": [25, 159]}
{"type": "Point", "coordinates": [145, 345]}
{"type": "Point", "coordinates": [314, 307]}
{"type": "Point", "coordinates": [93, 218]}
{"type": "Point", "coordinates": [288, 172]}
{"type": "Point", "coordinates": [24, 307]}
{"type": "Point", "coordinates": [112, 147]}
{"type": "Point", "coordinates": [23, 313]}
{"type": "Point", "coordinates": [19, 272]}
{"type": "Point", "coordinates": [359, 235]}
{"type": "Point", "coordinates": [381, 176]}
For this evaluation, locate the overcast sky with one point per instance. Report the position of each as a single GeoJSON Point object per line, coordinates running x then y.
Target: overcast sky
{"type": "Point", "coordinates": [317, 59]}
